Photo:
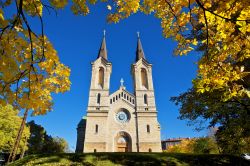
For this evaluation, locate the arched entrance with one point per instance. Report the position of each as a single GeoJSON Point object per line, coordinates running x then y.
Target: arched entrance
{"type": "Point", "coordinates": [123, 142]}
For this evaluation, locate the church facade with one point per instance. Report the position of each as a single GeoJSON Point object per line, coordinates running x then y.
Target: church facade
{"type": "Point", "coordinates": [121, 121]}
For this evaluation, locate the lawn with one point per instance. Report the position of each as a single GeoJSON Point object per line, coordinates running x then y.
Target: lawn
{"type": "Point", "coordinates": [133, 159]}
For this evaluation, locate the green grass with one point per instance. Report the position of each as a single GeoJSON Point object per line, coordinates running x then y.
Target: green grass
{"type": "Point", "coordinates": [131, 159]}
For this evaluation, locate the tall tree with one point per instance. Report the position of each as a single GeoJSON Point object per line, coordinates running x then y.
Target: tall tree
{"type": "Point", "coordinates": [9, 125]}
{"type": "Point", "coordinates": [36, 140]}
{"type": "Point", "coordinates": [30, 70]}
{"type": "Point", "coordinates": [40, 142]}
{"type": "Point", "coordinates": [232, 116]}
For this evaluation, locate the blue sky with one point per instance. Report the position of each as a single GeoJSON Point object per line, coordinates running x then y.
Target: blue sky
{"type": "Point", "coordinates": [77, 40]}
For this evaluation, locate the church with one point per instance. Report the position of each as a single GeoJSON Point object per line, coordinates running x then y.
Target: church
{"type": "Point", "coordinates": [121, 121]}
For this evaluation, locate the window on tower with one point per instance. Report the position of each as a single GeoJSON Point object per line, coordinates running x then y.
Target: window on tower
{"type": "Point", "coordinates": [144, 79]}
{"type": "Point", "coordinates": [96, 128]}
{"type": "Point", "coordinates": [148, 129]}
{"type": "Point", "coordinates": [98, 98]}
{"type": "Point", "coordinates": [101, 77]}
{"type": "Point", "coordinates": [145, 99]}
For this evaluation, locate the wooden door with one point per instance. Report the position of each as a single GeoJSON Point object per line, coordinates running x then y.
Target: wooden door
{"type": "Point", "coordinates": [122, 147]}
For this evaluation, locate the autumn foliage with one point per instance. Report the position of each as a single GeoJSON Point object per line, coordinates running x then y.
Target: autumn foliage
{"type": "Point", "coordinates": [9, 125]}
{"type": "Point", "coordinates": [219, 28]}
{"type": "Point", "coordinates": [30, 69]}
{"type": "Point", "coordinates": [204, 145]}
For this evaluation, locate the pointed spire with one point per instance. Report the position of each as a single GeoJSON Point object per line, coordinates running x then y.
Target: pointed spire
{"type": "Point", "coordinates": [139, 50]}
{"type": "Point", "coordinates": [103, 49]}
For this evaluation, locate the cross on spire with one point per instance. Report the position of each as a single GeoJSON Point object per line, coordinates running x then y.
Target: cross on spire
{"type": "Point", "coordinates": [104, 32]}
{"type": "Point", "coordinates": [122, 81]}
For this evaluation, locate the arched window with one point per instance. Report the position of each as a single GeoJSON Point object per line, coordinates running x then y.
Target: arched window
{"type": "Point", "coordinates": [94, 150]}
{"type": "Point", "coordinates": [148, 128]}
{"type": "Point", "coordinates": [96, 128]}
{"type": "Point", "coordinates": [144, 78]}
{"type": "Point", "coordinates": [98, 98]}
{"type": "Point", "coordinates": [101, 77]}
{"type": "Point", "coordinates": [145, 99]}
{"type": "Point", "coordinates": [149, 150]}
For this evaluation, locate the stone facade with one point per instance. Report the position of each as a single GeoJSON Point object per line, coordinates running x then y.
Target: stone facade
{"type": "Point", "coordinates": [122, 121]}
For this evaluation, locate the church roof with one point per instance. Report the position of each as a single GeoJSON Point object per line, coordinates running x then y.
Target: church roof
{"type": "Point", "coordinates": [103, 50]}
{"type": "Point", "coordinates": [82, 122]}
{"type": "Point", "coordinates": [139, 50]}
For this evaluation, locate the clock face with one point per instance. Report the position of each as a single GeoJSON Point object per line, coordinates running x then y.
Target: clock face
{"type": "Point", "coordinates": [122, 117]}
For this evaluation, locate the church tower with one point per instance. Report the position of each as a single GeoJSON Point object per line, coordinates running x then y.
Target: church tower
{"type": "Point", "coordinates": [100, 81]}
{"type": "Point", "coordinates": [148, 127]}
{"type": "Point", "coordinates": [98, 105]}
{"type": "Point", "coordinates": [121, 121]}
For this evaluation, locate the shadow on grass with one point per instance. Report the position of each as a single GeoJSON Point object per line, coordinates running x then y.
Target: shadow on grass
{"type": "Point", "coordinates": [129, 158]}
{"type": "Point", "coordinates": [209, 159]}
{"type": "Point", "coordinates": [133, 159]}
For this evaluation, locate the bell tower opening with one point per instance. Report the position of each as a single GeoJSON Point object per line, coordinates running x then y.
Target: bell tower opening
{"type": "Point", "coordinates": [144, 79]}
{"type": "Point", "coordinates": [101, 77]}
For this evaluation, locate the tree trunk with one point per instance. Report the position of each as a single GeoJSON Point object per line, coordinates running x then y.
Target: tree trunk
{"type": "Point", "coordinates": [23, 149]}
{"type": "Point", "coordinates": [12, 155]}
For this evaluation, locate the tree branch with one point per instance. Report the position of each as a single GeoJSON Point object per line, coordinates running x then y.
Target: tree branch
{"type": "Point", "coordinates": [210, 11]}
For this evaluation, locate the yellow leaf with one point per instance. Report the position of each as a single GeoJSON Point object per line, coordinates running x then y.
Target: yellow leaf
{"type": "Point", "coordinates": [109, 7]}
{"type": "Point", "coordinates": [195, 42]}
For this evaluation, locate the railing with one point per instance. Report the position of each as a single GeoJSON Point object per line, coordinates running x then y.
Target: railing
{"type": "Point", "coordinates": [122, 95]}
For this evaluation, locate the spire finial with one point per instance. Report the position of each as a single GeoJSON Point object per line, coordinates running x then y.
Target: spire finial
{"type": "Point", "coordinates": [122, 81]}
{"type": "Point", "coordinates": [138, 34]}
{"type": "Point", "coordinates": [104, 32]}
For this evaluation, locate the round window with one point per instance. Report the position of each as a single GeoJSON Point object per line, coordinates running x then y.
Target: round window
{"type": "Point", "coordinates": [122, 116]}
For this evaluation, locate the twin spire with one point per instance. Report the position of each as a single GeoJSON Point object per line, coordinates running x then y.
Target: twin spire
{"type": "Point", "coordinates": [103, 50]}
{"type": "Point", "coordinates": [139, 50]}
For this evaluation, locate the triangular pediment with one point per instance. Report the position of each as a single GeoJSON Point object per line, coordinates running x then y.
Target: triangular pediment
{"type": "Point", "coordinates": [122, 95]}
